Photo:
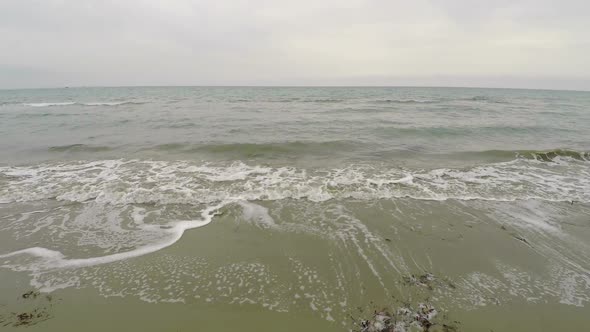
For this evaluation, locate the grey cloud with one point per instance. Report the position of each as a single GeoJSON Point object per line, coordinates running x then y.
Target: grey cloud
{"type": "Point", "coordinates": [424, 42]}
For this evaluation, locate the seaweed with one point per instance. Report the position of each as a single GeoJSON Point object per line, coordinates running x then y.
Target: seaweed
{"type": "Point", "coordinates": [405, 317]}
{"type": "Point", "coordinates": [30, 294]}
{"type": "Point", "coordinates": [521, 239]}
{"type": "Point", "coordinates": [33, 309]}
{"type": "Point", "coordinates": [425, 280]}
{"type": "Point", "coordinates": [407, 314]}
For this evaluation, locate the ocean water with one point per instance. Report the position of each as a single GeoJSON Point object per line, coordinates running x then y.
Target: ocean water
{"type": "Point", "coordinates": [294, 209]}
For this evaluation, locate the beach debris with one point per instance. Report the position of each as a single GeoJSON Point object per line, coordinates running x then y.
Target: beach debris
{"type": "Point", "coordinates": [30, 294]}
{"type": "Point", "coordinates": [521, 239]}
{"type": "Point", "coordinates": [381, 322]}
{"type": "Point", "coordinates": [425, 314]}
{"type": "Point", "coordinates": [24, 318]}
{"type": "Point", "coordinates": [30, 309]}
{"type": "Point", "coordinates": [428, 282]}
{"type": "Point", "coordinates": [424, 280]}
{"type": "Point", "coordinates": [450, 283]}
{"type": "Point", "coordinates": [406, 318]}
{"type": "Point", "coordinates": [31, 318]}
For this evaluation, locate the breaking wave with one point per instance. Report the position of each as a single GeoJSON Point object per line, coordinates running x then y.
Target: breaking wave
{"type": "Point", "coordinates": [552, 155]}
{"type": "Point", "coordinates": [565, 178]}
{"type": "Point", "coordinates": [538, 155]}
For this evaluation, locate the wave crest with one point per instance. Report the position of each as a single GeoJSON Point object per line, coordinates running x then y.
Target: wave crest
{"type": "Point", "coordinates": [67, 103]}
{"type": "Point", "coordinates": [78, 148]}
{"type": "Point", "coordinates": [252, 150]}
{"type": "Point", "coordinates": [552, 155]}
{"type": "Point", "coordinates": [180, 182]}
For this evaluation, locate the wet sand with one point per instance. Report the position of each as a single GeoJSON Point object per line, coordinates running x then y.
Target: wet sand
{"type": "Point", "coordinates": [293, 266]}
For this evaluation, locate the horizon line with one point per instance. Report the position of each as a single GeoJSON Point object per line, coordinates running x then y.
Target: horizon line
{"type": "Point", "coordinates": [290, 86]}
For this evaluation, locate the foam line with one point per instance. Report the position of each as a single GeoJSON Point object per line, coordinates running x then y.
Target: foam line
{"type": "Point", "coordinates": [52, 259]}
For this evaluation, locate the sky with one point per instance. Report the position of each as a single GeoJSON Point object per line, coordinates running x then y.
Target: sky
{"type": "Point", "coordinates": [492, 43]}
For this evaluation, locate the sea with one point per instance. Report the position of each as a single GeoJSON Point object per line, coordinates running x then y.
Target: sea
{"type": "Point", "coordinates": [294, 209]}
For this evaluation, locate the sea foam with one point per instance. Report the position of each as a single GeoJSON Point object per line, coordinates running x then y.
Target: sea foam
{"type": "Point", "coordinates": [180, 182]}
{"type": "Point", "coordinates": [51, 259]}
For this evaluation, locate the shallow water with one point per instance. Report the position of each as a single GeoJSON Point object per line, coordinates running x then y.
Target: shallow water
{"type": "Point", "coordinates": [294, 208]}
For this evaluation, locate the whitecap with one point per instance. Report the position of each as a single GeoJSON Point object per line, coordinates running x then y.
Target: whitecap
{"type": "Point", "coordinates": [67, 103]}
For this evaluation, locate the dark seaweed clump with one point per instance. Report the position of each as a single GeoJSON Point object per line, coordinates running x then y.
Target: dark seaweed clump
{"type": "Point", "coordinates": [421, 318]}
{"type": "Point", "coordinates": [33, 309]}
{"type": "Point", "coordinates": [404, 316]}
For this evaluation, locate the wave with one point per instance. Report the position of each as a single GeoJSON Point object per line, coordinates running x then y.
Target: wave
{"type": "Point", "coordinates": [328, 101]}
{"type": "Point", "coordinates": [51, 259]}
{"type": "Point", "coordinates": [67, 103]}
{"type": "Point", "coordinates": [337, 100]}
{"type": "Point", "coordinates": [137, 185]}
{"type": "Point", "coordinates": [552, 155]}
{"type": "Point", "coordinates": [485, 99]}
{"type": "Point", "coordinates": [182, 182]}
{"type": "Point", "coordinates": [79, 148]}
{"type": "Point", "coordinates": [478, 133]}
{"type": "Point", "coordinates": [72, 103]}
{"type": "Point", "coordinates": [252, 150]}
{"type": "Point", "coordinates": [299, 148]}
{"type": "Point", "coordinates": [405, 101]}
{"type": "Point", "coordinates": [112, 103]}
{"type": "Point", "coordinates": [5, 103]}
{"type": "Point", "coordinates": [286, 100]}
{"type": "Point", "coordinates": [538, 155]}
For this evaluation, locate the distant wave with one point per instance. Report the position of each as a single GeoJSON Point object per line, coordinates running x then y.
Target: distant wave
{"type": "Point", "coordinates": [404, 101]}
{"type": "Point", "coordinates": [323, 101]}
{"type": "Point", "coordinates": [112, 103]}
{"type": "Point", "coordinates": [79, 148]}
{"type": "Point", "coordinates": [287, 100]}
{"type": "Point", "coordinates": [251, 150]}
{"type": "Point", "coordinates": [49, 104]}
{"type": "Point", "coordinates": [486, 99]}
{"type": "Point", "coordinates": [481, 99]}
{"type": "Point", "coordinates": [71, 103]}
{"type": "Point", "coordinates": [478, 133]}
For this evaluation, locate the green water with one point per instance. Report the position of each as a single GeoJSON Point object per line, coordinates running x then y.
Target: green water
{"type": "Point", "coordinates": [293, 209]}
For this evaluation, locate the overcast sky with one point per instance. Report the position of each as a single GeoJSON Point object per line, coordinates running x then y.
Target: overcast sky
{"type": "Point", "coordinates": [495, 43]}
